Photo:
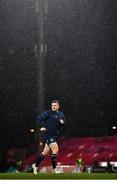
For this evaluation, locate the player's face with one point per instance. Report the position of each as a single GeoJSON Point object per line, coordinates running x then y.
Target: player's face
{"type": "Point", "coordinates": [55, 106]}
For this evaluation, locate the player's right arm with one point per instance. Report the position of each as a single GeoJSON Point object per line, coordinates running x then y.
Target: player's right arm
{"type": "Point", "coordinates": [41, 120]}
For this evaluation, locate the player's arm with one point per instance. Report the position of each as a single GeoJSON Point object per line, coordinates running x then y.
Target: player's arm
{"type": "Point", "coordinates": [62, 125]}
{"type": "Point", "coordinates": [62, 119]}
{"type": "Point", "coordinates": [41, 120]}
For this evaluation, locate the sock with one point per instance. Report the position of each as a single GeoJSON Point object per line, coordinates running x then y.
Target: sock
{"type": "Point", "coordinates": [53, 159]}
{"type": "Point", "coordinates": [40, 158]}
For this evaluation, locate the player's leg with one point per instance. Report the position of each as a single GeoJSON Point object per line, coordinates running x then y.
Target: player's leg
{"type": "Point", "coordinates": [42, 155]}
{"type": "Point", "coordinates": [46, 150]}
{"type": "Point", "coordinates": [40, 158]}
{"type": "Point", "coordinates": [54, 148]}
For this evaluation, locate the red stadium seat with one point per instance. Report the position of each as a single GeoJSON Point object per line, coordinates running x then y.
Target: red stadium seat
{"type": "Point", "coordinates": [90, 149]}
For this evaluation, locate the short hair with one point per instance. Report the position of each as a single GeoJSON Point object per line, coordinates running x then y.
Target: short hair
{"type": "Point", "coordinates": [56, 101]}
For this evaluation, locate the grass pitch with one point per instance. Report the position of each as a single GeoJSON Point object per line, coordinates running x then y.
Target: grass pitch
{"type": "Point", "coordinates": [58, 176]}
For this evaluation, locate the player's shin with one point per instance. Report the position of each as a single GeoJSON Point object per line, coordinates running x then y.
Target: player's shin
{"type": "Point", "coordinates": [40, 158]}
{"type": "Point", "coordinates": [54, 160]}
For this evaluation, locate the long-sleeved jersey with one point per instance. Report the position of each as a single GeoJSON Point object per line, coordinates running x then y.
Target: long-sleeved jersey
{"type": "Point", "coordinates": [51, 121]}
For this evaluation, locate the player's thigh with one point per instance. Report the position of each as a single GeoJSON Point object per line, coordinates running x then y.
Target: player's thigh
{"type": "Point", "coordinates": [54, 147]}
{"type": "Point", "coordinates": [46, 149]}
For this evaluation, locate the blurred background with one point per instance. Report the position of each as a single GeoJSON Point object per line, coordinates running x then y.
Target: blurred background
{"type": "Point", "coordinates": [57, 49]}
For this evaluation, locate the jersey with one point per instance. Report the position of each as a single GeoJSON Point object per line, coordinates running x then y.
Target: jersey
{"type": "Point", "coordinates": [51, 121]}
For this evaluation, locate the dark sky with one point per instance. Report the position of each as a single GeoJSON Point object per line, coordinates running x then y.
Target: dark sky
{"type": "Point", "coordinates": [80, 66]}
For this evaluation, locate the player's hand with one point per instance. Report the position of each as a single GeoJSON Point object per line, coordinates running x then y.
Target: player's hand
{"type": "Point", "coordinates": [61, 121]}
{"type": "Point", "coordinates": [43, 129]}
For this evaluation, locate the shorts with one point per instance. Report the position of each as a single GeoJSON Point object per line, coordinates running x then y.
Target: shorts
{"type": "Point", "coordinates": [50, 140]}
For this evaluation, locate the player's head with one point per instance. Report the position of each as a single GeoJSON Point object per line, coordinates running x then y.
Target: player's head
{"type": "Point", "coordinates": [55, 104]}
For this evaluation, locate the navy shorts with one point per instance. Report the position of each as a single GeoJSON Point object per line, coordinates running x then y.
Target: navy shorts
{"type": "Point", "coordinates": [50, 140]}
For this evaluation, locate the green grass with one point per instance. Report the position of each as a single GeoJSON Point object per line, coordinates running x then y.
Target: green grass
{"type": "Point", "coordinates": [58, 176]}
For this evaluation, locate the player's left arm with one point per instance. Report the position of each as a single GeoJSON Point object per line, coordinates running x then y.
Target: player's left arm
{"type": "Point", "coordinates": [63, 127]}
{"type": "Point", "coordinates": [62, 119]}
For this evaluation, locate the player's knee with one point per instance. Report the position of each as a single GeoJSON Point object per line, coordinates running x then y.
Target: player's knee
{"type": "Point", "coordinates": [45, 152]}
{"type": "Point", "coordinates": [55, 151]}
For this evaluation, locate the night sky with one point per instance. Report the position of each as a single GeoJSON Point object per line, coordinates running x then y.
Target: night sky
{"type": "Point", "coordinates": [79, 67]}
